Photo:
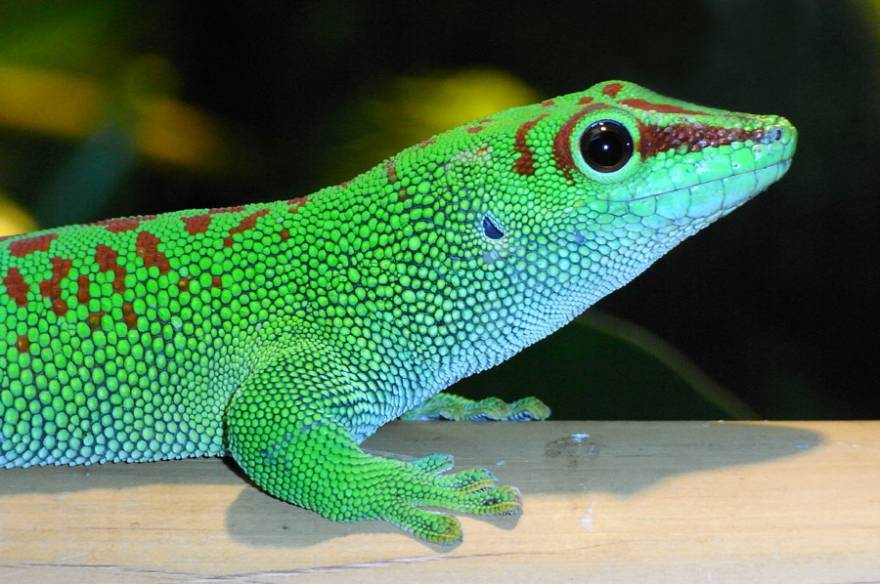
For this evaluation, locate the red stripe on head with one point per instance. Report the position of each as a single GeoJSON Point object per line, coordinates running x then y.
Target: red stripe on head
{"type": "Point", "coordinates": [562, 140]}
{"type": "Point", "coordinates": [663, 108]}
{"type": "Point", "coordinates": [525, 164]}
{"type": "Point", "coordinates": [693, 137]}
{"type": "Point", "coordinates": [612, 89]}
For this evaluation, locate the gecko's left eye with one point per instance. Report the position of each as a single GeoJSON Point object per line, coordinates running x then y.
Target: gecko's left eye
{"type": "Point", "coordinates": [491, 230]}
{"type": "Point", "coordinates": [606, 146]}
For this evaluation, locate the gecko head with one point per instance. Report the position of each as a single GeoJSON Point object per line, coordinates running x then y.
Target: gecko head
{"type": "Point", "coordinates": [577, 195]}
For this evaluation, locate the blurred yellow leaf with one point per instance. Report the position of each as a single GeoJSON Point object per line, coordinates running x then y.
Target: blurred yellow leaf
{"type": "Point", "coordinates": [411, 109]}
{"type": "Point", "coordinates": [73, 107]}
{"type": "Point", "coordinates": [14, 219]}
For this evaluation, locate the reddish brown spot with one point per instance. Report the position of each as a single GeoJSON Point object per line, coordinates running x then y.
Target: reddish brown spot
{"type": "Point", "coordinates": [82, 290]}
{"type": "Point", "coordinates": [197, 223]}
{"type": "Point", "coordinates": [217, 281]}
{"type": "Point", "coordinates": [663, 108]}
{"type": "Point", "coordinates": [585, 100]}
{"type": "Point", "coordinates": [107, 259]}
{"type": "Point", "coordinates": [147, 248]}
{"type": "Point", "coordinates": [548, 103]}
{"type": "Point", "coordinates": [345, 184]}
{"type": "Point", "coordinates": [285, 234]}
{"type": "Point", "coordinates": [296, 203]}
{"type": "Point", "coordinates": [237, 209]}
{"type": "Point", "coordinates": [561, 142]}
{"type": "Point", "coordinates": [51, 288]}
{"type": "Point", "coordinates": [23, 247]}
{"type": "Point", "coordinates": [128, 315]}
{"type": "Point", "coordinates": [94, 320]}
{"type": "Point", "coordinates": [426, 143]}
{"type": "Point", "coordinates": [124, 224]}
{"type": "Point", "coordinates": [403, 196]}
{"type": "Point", "coordinates": [246, 224]}
{"type": "Point", "coordinates": [691, 137]}
{"type": "Point", "coordinates": [476, 129]}
{"type": "Point", "coordinates": [16, 286]}
{"type": "Point", "coordinates": [525, 164]}
{"type": "Point", "coordinates": [23, 344]}
{"type": "Point", "coordinates": [486, 120]}
{"type": "Point", "coordinates": [183, 284]}
{"type": "Point", "coordinates": [391, 170]}
{"type": "Point", "coordinates": [612, 89]}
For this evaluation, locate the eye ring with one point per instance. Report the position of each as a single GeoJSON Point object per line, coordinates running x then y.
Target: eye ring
{"type": "Point", "coordinates": [606, 146]}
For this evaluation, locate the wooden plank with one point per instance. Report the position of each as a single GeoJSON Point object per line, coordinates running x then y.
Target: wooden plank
{"type": "Point", "coordinates": [604, 502]}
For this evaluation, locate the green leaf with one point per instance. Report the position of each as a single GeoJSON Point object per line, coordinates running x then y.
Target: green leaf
{"type": "Point", "coordinates": [601, 367]}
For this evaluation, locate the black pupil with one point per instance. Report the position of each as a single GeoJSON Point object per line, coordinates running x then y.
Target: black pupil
{"type": "Point", "coordinates": [606, 146]}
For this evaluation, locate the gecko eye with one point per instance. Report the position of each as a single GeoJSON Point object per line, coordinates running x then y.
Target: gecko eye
{"type": "Point", "coordinates": [606, 146]}
{"type": "Point", "coordinates": [491, 230]}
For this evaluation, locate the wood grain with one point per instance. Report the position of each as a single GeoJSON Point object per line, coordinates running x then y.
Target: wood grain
{"type": "Point", "coordinates": [604, 502]}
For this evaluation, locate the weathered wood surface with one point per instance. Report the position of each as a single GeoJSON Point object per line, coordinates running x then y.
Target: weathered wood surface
{"type": "Point", "coordinates": [604, 502]}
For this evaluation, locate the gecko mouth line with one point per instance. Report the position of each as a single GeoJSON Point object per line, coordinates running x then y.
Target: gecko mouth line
{"type": "Point", "coordinates": [779, 168]}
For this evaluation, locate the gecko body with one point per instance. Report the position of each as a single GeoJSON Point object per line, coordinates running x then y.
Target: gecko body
{"type": "Point", "coordinates": [285, 333]}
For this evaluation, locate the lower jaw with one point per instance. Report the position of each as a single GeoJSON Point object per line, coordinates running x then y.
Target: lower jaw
{"type": "Point", "coordinates": [710, 199]}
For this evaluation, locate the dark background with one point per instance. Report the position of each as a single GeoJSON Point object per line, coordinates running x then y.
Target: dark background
{"type": "Point", "coordinates": [776, 303]}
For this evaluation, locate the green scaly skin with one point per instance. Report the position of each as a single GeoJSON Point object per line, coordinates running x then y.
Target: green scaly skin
{"type": "Point", "coordinates": [285, 333]}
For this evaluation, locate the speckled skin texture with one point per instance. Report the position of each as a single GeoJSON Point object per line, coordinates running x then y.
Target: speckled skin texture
{"type": "Point", "coordinates": [286, 333]}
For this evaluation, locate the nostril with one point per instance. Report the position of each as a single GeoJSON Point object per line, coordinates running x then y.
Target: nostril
{"type": "Point", "coordinates": [773, 134]}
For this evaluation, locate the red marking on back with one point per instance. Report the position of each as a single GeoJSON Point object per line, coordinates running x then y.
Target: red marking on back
{"type": "Point", "coordinates": [391, 170]}
{"type": "Point", "coordinates": [124, 224]}
{"type": "Point", "coordinates": [183, 284]}
{"type": "Point", "coordinates": [147, 248]}
{"type": "Point", "coordinates": [285, 234]}
{"type": "Point", "coordinates": [296, 203]}
{"type": "Point", "coordinates": [197, 223]}
{"type": "Point", "coordinates": [612, 89]}
{"type": "Point", "coordinates": [237, 209]}
{"type": "Point", "coordinates": [585, 100]}
{"type": "Point", "coordinates": [692, 137]}
{"type": "Point", "coordinates": [16, 287]}
{"type": "Point", "coordinates": [426, 143]}
{"type": "Point", "coordinates": [107, 259]}
{"type": "Point", "coordinates": [663, 108]}
{"type": "Point", "coordinates": [128, 315]}
{"type": "Point", "coordinates": [94, 320]}
{"type": "Point", "coordinates": [246, 224]}
{"type": "Point", "coordinates": [23, 247]}
{"type": "Point", "coordinates": [51, 288]}
{"type": "Point", "coordinates": [82, 290]}
{"type": "Point", "coordinates": [23, 344]}
{"type": "Point", "coordinates": [217, 281]}
{"type": "Point", "coordinates": [525, 164]}
{"type": "Point", "coordinates": [476, 129]}
{"type": "Point", "coordinates": [548, 103]}
{"type": "Point", "coordinates": [562, 140]}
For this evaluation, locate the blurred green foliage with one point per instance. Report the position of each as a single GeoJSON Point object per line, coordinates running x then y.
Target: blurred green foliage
{"type": "Point", "coordinates": [127, 107]}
